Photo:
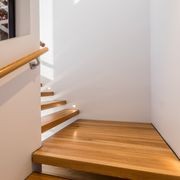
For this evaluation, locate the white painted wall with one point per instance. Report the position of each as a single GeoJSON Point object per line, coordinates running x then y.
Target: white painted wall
{"type": "Point", "coordinates": [22, 17]}
{"type": "Point", "coordinates": [47, 36]}
{"type": "Point", "coordinates": [165, 69]}
{"type": "Point", "coordinates": [102, 56]}
{"type": "Point", "coordinates": [19, 105]}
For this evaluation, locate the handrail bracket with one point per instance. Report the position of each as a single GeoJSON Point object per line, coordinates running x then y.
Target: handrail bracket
{"type": "Point", "coordinates": [35, 63]}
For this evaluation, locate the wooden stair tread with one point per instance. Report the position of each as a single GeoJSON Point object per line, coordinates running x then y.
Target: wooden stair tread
{"type": "Point", "coordinates": [125, 150]}
{"type": "Point", "coordinates": [47, 93]}
{"type": "Point", "coordinates": [39, 176]}
{"type": "Point", "coordinates": [74, 174]}
{"type": "Point", "coordinates": [55, 119]}
{"type": "Point", "coordinates": [52, 104]}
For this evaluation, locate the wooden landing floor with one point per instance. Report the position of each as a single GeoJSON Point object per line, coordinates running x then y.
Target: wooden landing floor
{"type": "Point", "coordinates": [126, 150]}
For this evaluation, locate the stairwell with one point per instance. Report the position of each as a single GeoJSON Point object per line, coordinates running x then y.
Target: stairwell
{"type": "Point", "coordinates": [74, 148]}
{"type": "Point", "coordinates": [105, 150]}
{"type": "Point", "coordinates": [53, 119]}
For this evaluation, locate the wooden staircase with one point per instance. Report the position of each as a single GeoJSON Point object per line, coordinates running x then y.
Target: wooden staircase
{"type": "Point", "coordinates": [102, 150]}
{"type": "Point", "coordinates": [57, 118]}
{"type": "Point", "coordinates": [54, 119]}
{"type": "Point", "coordinates": [39, 176]}
{"type": "Point", "coordinates": [52, 104]}
{"type": "Point", "coordinates": [47, 93]}
{"type": "Point", "coordinates": [50, 121]}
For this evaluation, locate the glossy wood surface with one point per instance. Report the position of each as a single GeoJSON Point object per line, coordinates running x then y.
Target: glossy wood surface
{"type": "Point", "coordinates": [21, 62]}
{"type": "Point", "coordinates": [52, 104]}
{"type": "Point", "coordinates": [38, 176]}
{"type": "Point", "coordinates": [74, 174]}
{"type": "Point", "coordinates": [47, 93]}
{"type": "Point", "coordinates": [55, 119]}
{"type": "Point", "coordinates": [126, 150]}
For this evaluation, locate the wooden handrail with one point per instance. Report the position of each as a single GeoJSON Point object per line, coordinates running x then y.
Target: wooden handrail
{"type": "Point", "coordinates": [21, 62]}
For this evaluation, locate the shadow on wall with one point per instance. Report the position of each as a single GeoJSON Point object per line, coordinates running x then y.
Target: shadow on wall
{"type": "Point", "coordinates": [47, 35]}
{"type": "Point", "coordinates": [15, 85]}
{"type": "Point", "coordinates": [47, 71]}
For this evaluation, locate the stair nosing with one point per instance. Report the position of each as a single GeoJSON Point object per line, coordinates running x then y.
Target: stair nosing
{"type": "Point", "coordinates": [52, 104]}
{"type": "Point", "coordinates": [34, 176]}
{"type": "Point", "coordinates": [47, 93]}
{"type": "Point", "coordinates": [49, 122]}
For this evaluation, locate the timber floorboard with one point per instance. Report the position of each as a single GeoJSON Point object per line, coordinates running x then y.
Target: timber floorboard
{"type": "Point", "coordinates": [125, 150]}
{"type": "Point", "coordinates": [39, 176]}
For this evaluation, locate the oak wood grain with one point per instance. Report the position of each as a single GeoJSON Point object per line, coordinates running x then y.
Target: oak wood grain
{"type": "Point", "coordinates": [125, 150]}
{"type": "Point", "coordinates": [55, 119]}
{"type": "Point", "coordinates": [74, 174]}
{"type": "Point", "coordinates": [38, 176]}
{"type": "Point", "coordinates": [47, 93]}
{"type": "Point", "coordinates": [52, 104]}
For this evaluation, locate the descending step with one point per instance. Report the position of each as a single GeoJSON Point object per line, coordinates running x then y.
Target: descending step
{"type": "Point", "coordinates": [52, 104]}
{"type": "Point", "coordinates": [125, 150]}
{"type": "Point", "coordinates": [48, 93]}
{"type": "Point", "coordinates": [74, 174]}
{"type": "Point", "coordinates": [38, 176]}
{"type": "Point", "coordinates": [55, 119]}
